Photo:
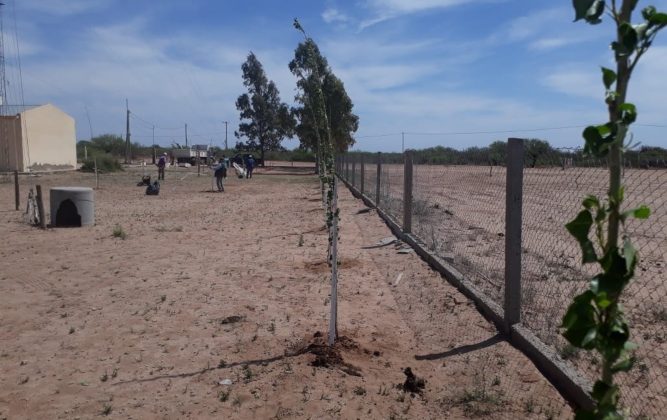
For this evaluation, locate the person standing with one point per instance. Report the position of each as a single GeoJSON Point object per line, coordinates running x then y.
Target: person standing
{"type": "Point", "coordinates": [161, 164]}
{"type": "Point", "coordinates": [220, 172]}
{"type": "Point", "coordinates": [249, 166]}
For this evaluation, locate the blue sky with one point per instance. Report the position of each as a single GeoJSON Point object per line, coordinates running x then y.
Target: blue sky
{"type": "Point", "coordinates": [429, 68]}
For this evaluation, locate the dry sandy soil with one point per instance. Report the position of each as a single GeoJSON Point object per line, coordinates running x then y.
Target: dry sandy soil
{"type": "Point", "coordinates": [207, 287]}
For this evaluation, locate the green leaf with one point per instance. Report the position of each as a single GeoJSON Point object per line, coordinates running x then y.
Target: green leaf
{"type": "Point", "coordinates": [647, 12]}
{"type": "Point", "coordinates": [591, 202]}
{"type": "Point", "coordinates": [658, 19]}
{"type": "Point", "coordinates": [580, 321]}
{"type": "Point", "coordinates": [629, 37]}
{"type": "Point", "coordinates": [628, 113]}
{"type": "Point", "coordinates": [581, 8]}
{"type": "Point", "coordinates": [608, 77]}
{"type": "Point", "coordinates": [605, 394]}
{"type": "Point", "coordinates": [579, 228]}
{"type": "Point", "coordinates": [630, 255]}
{"type": "Point", "coordinates": [584, 415]}
{"type": "Point", "coordinates": [598, 138]}
{"type": "Point", "coordinates": [642, 212]}
{"type": "Point", "coordinates": [593, 14]}
{"type": "Point", "coordinates": [624, 365]}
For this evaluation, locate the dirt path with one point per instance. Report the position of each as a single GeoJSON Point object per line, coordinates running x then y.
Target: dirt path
{"type": "Point", "coordinates": [207, 287]}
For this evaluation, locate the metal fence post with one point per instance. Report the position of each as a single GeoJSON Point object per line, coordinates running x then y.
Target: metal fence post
{"type": "Point", "coordinates": [354, 172]}
{"type": "Point", "coordinates": [377, 180]}
{"type": "Point", "coordinates": [362, 175]}
{"type": "Point", "coordinates": [407, 192]}
{"type": "Point", "coordinates": [513, 208]}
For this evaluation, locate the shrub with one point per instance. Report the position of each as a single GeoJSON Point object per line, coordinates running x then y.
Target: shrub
{"type": "Point", "coordinates": [104, 164]}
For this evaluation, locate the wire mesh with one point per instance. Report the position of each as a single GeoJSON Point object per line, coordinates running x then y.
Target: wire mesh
{"type": "Point", "coordinates": [391, 190]}
{"type": "Point", "coordinates": [458, 212]}
{"type": "Point", "coordinates": [552, 273]}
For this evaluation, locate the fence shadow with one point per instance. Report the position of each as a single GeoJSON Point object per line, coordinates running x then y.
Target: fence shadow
{"type": "Point", "coordinates": [463, 349]}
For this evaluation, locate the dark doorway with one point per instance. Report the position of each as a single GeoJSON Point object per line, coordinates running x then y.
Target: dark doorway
{"type": "Point", "coordinates": [67, 215]}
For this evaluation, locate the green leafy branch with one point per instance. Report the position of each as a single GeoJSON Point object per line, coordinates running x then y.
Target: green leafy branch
{"type": "Point", "coordinates": [595, 319]}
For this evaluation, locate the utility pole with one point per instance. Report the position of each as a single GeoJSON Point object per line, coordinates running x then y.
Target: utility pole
{"type": "Point", "coordinates": [127, 133]}
{"type": "Point", "coordinates": [226, 146]}
{"type": "Point", "coordinates": [153, 145]}
{"type": "Point", "coordinates": [186, 134]}
{"type": "Point", "coordinates": [402, 142]}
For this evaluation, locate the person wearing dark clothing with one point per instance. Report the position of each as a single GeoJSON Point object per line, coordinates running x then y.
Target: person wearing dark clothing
{"type": "Point", "coordinates": [161, 164]}
{"type": "Point", "coordinates": [220, 172]}
{"type": "Point", "coordinates": [249, 165]}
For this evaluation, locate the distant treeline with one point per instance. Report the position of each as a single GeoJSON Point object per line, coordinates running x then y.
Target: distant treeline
{"type": "Point", "coordinates": [112, 146]}
{"type": "Point", "coordinates": [537, 153]}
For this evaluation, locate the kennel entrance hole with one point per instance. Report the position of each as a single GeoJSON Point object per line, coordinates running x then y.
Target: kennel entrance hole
{"type": "Point", "coordinates": [72, 206]}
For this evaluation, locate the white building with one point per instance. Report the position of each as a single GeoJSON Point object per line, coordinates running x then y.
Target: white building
{"type": "Point", "coordinates": [34, 138]}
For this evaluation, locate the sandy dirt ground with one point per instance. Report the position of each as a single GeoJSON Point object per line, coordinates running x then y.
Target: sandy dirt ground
{"type": "Point", "coordinates": [215, 305]}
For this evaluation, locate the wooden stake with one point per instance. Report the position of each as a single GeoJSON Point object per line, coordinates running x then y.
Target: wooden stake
{"type": "Point", "coordinates": [97, 178]}
{"type": "Point", "coordinates": [16, 189]}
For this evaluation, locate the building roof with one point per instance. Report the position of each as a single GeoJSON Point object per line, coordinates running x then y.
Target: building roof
{"type": "Point", "coordinates": [7, 110]}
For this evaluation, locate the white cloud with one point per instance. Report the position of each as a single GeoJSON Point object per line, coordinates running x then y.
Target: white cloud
{"type": "Point", "coordinates": [334, 15]}
{"type": "Point", "coordinates": [63, 7]}
{"type": "Point", "coordinates": [550, 43]}
{"type": "Point", "coordinates": [388, 9]}
{"type": "Point", "coordinates": [575, 81]}
{"type": "Point", "coordinates": [169, 80]}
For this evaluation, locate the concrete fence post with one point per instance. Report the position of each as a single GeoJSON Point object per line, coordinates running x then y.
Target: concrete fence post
{"type": "Point", "coordinates": [513, 208]}
{"type": "Point", "coordinates": [362, 174]}
{"type": "Point", "coordinates": [354, 172]}
{"type": "Point", "coordinates": [407, 192]}
{"type": "Point", "coordinates": [378, 180]}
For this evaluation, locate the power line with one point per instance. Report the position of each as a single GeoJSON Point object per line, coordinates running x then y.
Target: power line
{"type": "Point", "coordinates": [461, 133]}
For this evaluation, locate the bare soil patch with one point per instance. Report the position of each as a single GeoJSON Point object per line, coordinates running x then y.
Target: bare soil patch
{"type": "Point", "coordinates": [211, 306]}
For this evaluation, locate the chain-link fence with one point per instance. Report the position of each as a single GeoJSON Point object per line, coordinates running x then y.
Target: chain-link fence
{"type": "Point", "coordinates": [459, 214]}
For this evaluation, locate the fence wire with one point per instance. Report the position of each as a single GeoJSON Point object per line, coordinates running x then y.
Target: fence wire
{"type": "Point", "coordinates": [458, 211]}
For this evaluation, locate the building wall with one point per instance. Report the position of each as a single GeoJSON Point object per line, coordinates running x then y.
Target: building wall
{"type": "Point", "coordinates": [11, 147]}
{"type": "Point", "coordinates": [49, 138]}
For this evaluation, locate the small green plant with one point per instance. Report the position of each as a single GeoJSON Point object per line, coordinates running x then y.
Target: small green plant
{"type": "Point", "coordinates": [247, 373]}
{"type": "Point", "coordinates": [223, 395]}
{"type": "Point", "coordinates": [163, 298]}
{"type": "Point", "coordinates": [71, 330]}
{"type": "Point", "coordinates": [595, 319]}
{"type": "Point", "coordinates": [272, 327]}
{"type": "Point", "coordinates": [114, 372]}
{"type": "Point", "coordinates": [222, 364]}
{"type": "Point", "coordinates": [106, 409]}
{"type": "Point", "coordinates": [359, 390]}
{"type": "Point", "coordinates": [118, 232]}
{"type": "Point", "coordinates": [104, 377]}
